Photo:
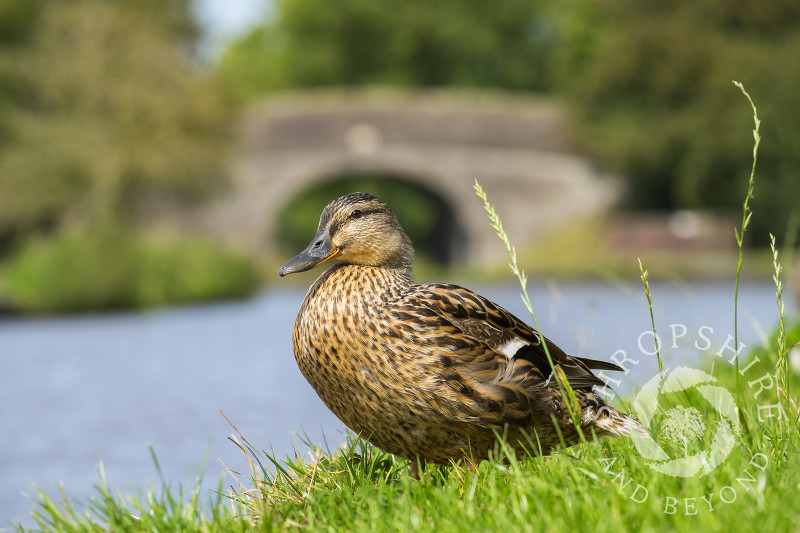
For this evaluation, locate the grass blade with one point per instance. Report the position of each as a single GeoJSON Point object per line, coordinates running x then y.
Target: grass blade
{"type": "Point", "coordinates": [746, 214]}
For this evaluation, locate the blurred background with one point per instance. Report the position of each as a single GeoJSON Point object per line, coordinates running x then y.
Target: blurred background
{"type": "Point", "coordinates": [160, 159]}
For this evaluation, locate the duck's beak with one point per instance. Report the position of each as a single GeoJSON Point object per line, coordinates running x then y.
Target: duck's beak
{"type": "Point", "coordinates": [318, 251]}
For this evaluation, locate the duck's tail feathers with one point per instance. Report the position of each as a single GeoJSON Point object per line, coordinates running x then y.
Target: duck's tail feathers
{"type": "Point", "coordinates": [597, 364]}
{"type": "Point", "coordinates": [608, 421]}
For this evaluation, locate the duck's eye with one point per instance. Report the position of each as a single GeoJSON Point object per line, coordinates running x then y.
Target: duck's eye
{"type": "Point", "coordinates": [356, 213]}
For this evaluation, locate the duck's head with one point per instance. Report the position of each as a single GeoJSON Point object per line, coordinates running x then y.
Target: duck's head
{"type": "Point", "coordinates": [356, 229]}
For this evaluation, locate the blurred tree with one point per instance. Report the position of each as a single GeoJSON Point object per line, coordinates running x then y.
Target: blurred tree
{"type": "Point", "coordinates": [649, 83]}
{"type": "Point", "coordinates": [17, 18]}
{"type": "Point", "coordinates": [414, 43]}
{"type": "Point", "coordinates": [102, 112]}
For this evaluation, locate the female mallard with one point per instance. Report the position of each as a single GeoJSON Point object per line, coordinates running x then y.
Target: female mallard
{"type": "Point", "coordinates": [430, 371]}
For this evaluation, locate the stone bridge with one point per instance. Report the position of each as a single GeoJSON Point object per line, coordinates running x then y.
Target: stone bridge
{"type": "Point", "coordinates": [516, 146]}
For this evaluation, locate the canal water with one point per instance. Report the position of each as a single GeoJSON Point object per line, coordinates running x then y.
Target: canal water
{"type": "Point", "coordinates": [83, 390]}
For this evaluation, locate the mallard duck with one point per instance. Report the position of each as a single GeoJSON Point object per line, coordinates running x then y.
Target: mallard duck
{"type": "Point", "coordinates": [431, 372]}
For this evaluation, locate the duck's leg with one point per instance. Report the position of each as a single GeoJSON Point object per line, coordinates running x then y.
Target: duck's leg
{"type": "Point", "coordinates": [471, 464]}
{"type": "Point", "coordinates": [415, 464]}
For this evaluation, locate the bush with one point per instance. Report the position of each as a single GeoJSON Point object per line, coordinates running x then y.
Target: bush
{"type": "Point", "coordinates": [192, 270]}
{"type": "Point", "coordinates": [122, 269]}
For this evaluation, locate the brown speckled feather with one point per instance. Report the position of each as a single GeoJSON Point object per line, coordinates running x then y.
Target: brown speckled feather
{"type": "Point", "coordinates": [483, 321]}
{"type": "Point", "coordinates": [432, 371]}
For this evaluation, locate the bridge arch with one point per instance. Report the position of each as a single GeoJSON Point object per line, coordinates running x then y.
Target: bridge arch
{"type": "Point", "coordinates": [516, 146]}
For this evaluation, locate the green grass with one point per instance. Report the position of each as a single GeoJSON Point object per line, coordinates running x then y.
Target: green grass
{"type": "Point", "coordinates": [597, 486]}
{"type": "Point", "coordinates": [161, 508]}
{"type": "Point", "coordinates": [592, 486]}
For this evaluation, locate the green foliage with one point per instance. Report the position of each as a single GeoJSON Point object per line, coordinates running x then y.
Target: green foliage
{"type": "Point", "coordinates": [116, 268]}
{"type": "Point", "coordinates": [313, 43]}
{"type": "Point", "coordinates": [192, 269]}
{"type": "Point", "coordinates": [418, 212]}
{"type": "Point", "coordinates": [102, 113]}
{"type": "Point", "coordinates": [649, 84]}
{"type": "Point", "coordinates": [73, 273]}
{"type": "Point", "coordinates": [17, 18]}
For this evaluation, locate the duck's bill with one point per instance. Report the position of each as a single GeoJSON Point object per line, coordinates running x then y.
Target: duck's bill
{"type": "Point", "coordinates": [318, 251]}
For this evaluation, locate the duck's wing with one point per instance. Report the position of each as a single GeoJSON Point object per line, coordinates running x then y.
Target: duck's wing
{"type": "Point", "coordinates": [481, 324]}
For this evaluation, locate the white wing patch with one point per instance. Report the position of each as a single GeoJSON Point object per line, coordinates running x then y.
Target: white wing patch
{"type": "Point", "coordinates": [510, 348]}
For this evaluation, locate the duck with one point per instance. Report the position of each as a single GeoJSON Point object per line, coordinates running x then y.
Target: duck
{"type": "Point", "coordinates": [431, 372]}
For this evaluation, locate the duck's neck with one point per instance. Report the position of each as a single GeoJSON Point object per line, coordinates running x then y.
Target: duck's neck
{"type": "Point", "coordinates": [369, 281]}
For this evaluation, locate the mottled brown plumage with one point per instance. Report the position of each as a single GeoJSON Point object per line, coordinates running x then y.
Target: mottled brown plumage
{"type": "Point", "coordinates": [430, 371]}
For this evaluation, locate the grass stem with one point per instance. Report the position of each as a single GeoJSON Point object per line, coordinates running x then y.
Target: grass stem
{"type": "Point", "coordinates": [783, 350]}
{"type": "Point", "coordinates": [739, 234]}
{"type": "Point", "coordinates": [643, 276]}
{"type": "Point", "coordinates": [497, 225]}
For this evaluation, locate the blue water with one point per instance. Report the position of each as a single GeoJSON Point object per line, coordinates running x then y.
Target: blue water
{"type": "Point", "coordinates": [78, 391]}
